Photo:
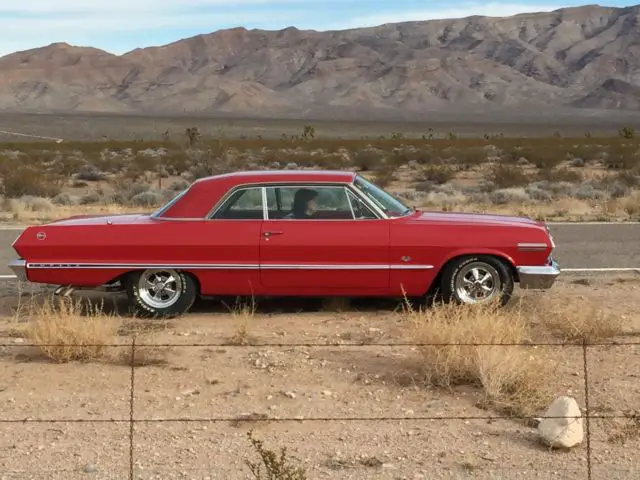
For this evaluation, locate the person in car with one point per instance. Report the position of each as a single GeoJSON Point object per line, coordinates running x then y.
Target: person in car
{"type": "Point", "coordinates": [304, 204]}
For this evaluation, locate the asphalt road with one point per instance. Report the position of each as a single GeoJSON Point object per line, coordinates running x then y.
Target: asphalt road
{"type": "Point", "coordinates": [578, 246]}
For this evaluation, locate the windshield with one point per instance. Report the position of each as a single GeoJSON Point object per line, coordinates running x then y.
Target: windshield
{"type": "Point", "coordinates": [383, 200]}
{"type": "Point", "coordinates": [169, 204]}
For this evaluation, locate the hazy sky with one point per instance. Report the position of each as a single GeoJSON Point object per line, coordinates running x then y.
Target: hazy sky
{"type": "Point", "coordinates": [122, 25]}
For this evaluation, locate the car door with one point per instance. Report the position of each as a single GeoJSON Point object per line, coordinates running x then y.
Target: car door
{"type": "Point", "coordinates": [229, 241]}
{"type": "Point", "coordinates": [331, 252]}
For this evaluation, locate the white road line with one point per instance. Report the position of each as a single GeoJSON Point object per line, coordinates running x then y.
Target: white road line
{"type": "Point", "coordinates": [600, 269]}
{"type": "Point", "coordinates": [7, 276]}
{"type": "Point", "coordinates": [611, 224]}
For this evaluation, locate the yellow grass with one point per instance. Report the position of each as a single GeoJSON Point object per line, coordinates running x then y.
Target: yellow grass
{"type": "Point", "coordinates": [512, 378]}
{"type": "Point", "coordinates": [243, 314]}
{"type": "Point", "coordinates": [65, 332]}
{"type": "Point", "coordinates": [576, 319]}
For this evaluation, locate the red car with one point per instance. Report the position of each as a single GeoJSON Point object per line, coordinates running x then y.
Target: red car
{"type": "Point", "coordinates": [284, 233]}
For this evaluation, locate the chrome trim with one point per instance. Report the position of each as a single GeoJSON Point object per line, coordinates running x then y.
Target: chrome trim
{"type": "Point", "coordinates": [346, 193]}
{"type": "Point", "coordinates": [290, 183]}
{"type": "Point", "coordinates": [19, 268]}
{"type": "Point", "coordinates": [532, 247]}
{"type": "Point", "coordinates": [228, 195]}
{"type": "Point", "coordinates": [227, 266]}
{"type": "Point", "coordinates": [124, 266]}
{"type": "Point", "coordinates": [538, 277]}
{"type": "Point", "coordinates": [286, 183]}
{"type": "Point", "coordinates": [354, 266]}
{"type": "Point", "coordinates": [265, 206]}
{"type": "Point", "coordinates": [377, 211]}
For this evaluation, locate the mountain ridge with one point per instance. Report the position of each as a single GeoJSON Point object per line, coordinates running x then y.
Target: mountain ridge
{"type": "Point", "coordinates": [585, 57]}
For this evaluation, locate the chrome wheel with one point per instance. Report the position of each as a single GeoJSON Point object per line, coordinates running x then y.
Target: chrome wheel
{"type": "Point", "coordinates": [159, 288]}
{"type": "Point", "coordinates": [477, 282]}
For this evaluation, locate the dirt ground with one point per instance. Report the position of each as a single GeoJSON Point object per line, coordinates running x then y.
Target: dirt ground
{"type": "Point", "coordinates": [343, 411]}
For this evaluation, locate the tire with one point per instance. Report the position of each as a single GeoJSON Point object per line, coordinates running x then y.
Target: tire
{"type": "Point", "coordinates": [144, 299]}
{"type": "Point", "coordinates": [500, 282]}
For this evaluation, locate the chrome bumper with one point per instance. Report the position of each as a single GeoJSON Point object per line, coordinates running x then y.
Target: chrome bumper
{"type": "Point", "coordinates": [19, 268]}
{"type": "Point", "coordinates": [539, 277]}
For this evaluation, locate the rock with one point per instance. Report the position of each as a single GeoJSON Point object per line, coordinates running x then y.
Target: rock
{"type": "Point", "coordinates": [563, 432]}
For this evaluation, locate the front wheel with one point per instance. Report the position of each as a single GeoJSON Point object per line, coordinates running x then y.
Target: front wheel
{"type": "Point", "coordinates": [161, 292]}
{"type": "Point", "coordinates": [477, 279]}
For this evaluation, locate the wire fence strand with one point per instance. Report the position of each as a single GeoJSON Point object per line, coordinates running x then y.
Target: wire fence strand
{"type": "Point", "coordinates": [131, 420]}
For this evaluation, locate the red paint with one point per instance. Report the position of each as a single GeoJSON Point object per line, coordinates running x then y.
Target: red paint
{"type": "Point", "coordinates": [182, 235]}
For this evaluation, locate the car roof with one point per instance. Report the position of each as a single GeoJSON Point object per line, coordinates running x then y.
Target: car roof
{"type": "Point", "coordinates": [259, 176]}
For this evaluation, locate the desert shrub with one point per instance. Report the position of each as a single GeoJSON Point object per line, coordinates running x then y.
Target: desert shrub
{"type": "Point", "coordinates": [28, 180]}
{"type": "Point", "coordinates": [544, 158]}
{"type": "Point", "coordinates": [629, 178]}
{"type": "Point", "coordinates": [576, 320]}
{"type": "Point", "coordinates": [276, 467]}
{"type": "Point", "coordinates": [588, 191]}
{"type": "Point", "coordinates": [147, 199]}
{"type": "Point", "coordinates": [536, 192]}
{"type": "Point", "coordinates": [631, 205]}
{"type": "Point", "coordinates": [90, 198]}
{"type": "Point", "coordinates": [64, 199]}
{"type": "Point", "coordinates": [622, 157]}
{"type": "Point", "coordinates": [90, 173]}
{"type": "Point", "coordinates": [506, 176]}
{"type": "Point", "coordinates": [560, 175]}
{"type": "Point", "coordinates": [64, 331]}
{"type": "Point", "coordinates": [464, 345]}
{"type": "Point", "coordinates": [505, 196]}
{"type": "Point", "coordinates": [438, 174]}
{"type": "Point", "coordinates": [366, 160]}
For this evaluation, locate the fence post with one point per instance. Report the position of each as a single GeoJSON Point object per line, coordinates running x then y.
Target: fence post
{"type": "Point", "coordinates": [131, 400]}
{"type": "Point", "coordinates": [586, 406]}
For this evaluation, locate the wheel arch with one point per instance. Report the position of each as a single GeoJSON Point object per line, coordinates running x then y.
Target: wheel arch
{"type": "Point", "coordinates": [507, 260]}
{"type": "Point", "coordinates": [124, 277]}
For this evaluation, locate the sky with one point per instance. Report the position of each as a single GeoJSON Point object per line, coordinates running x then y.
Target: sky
{"type": "Point", "coordinates": [119, 26]}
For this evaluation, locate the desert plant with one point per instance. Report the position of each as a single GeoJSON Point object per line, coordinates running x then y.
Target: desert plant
{"type": "Point", "coordinates": [64, 331]}
{"type": "Point", "coordinates": [506, 176]}
{"type": "Point", "coordinates": [275, 467]}
{"type": "Point", "coordinates": [627, 132]}
{"type": "Point", "coordinates": [480, 346]}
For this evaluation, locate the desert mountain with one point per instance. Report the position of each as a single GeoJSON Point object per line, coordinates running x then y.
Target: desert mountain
{"type": "Point", "coordinates": [584, 57]}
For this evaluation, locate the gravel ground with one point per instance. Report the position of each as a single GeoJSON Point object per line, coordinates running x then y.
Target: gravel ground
{"type": "Point", "coordinates": [311, 400]}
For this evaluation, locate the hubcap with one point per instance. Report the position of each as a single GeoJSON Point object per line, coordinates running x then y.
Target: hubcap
{"type": "Point", "coordinates": [477, 282]}
{"type": "Point", "coordinates": [159, 288]}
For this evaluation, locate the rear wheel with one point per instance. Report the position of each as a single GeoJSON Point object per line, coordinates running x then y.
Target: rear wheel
{"type": "Point", "coordinates": [477, 279]}
{"type": "Point", "coordinates": [161, 292]}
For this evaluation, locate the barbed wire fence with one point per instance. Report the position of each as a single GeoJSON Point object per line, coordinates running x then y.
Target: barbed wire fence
{"type": "Point", "coordinates": [587, 416]}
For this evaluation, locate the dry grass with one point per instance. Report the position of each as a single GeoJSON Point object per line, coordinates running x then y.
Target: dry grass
{"type": "Point", "coordinates": [243, 314]}
{"type": "Point", "coordinates": [476, 346]}
{"type": "Point", "coordinates": [65, 331]}
{"type": "Point", "coordinates": [577, 320]}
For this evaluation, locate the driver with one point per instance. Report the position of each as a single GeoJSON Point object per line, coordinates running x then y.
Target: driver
{"type": "Point", "coordinates": [304, 204]}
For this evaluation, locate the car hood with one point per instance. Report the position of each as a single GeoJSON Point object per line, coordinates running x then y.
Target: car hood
{"type": "Point", "coordinates": [475, 219]}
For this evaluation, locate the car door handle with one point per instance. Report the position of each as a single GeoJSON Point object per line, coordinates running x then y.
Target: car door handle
{"type": "Point", "coordinates": [273, 232]}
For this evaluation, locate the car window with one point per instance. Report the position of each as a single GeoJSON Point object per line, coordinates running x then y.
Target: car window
{"type": "Point", "coordinates": [386, 202]}
{"type": "Point", "coordinates": [312, 202]}
{"type": "Point", "coordinates": [360, 209]}
{"type": "Point", "coordinates": [244, 204]}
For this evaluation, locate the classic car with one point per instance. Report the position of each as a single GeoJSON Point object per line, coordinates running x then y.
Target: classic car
{"type": "Point", "coordinates": [288, 233]}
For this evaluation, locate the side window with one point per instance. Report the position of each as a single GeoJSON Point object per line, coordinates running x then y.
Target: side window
{"type": "Point", "coordinates": [244, 204]}
{"type": "Point", "coordinates": [360, 209]}
{"type": "Point", "coordinates": [313, 202]}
